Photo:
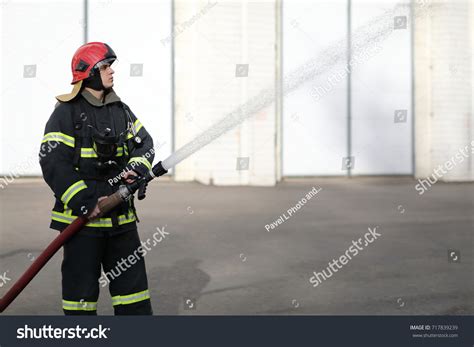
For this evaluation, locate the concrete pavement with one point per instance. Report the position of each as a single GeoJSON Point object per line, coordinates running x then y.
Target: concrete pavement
{"type": "Point", "coordinates": [219, 257]}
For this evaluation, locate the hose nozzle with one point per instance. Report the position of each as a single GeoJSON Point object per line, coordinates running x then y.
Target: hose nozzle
{"type": "Point", "coordinates": [141, 182]}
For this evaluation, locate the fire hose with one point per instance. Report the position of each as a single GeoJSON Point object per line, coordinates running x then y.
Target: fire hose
{"type": "Point", "coordinates": [105, 206]}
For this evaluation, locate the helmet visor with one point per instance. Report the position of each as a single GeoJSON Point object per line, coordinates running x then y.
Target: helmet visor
{"type": "Point", "coordinates": [105, 62]}
{"type": "Point", "coordinates": [102, 65]}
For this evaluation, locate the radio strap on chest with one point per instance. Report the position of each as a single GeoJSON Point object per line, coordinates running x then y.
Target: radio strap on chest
{"type": "Point", "coordinates": [78, 118]}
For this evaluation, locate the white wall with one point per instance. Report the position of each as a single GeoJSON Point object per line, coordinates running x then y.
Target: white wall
{"type": "Point", "coordinates": [46, 34]}
{"type": "Point", "coordinates": [444, 90]}
{"type": "Point", "coordinates": [33, 33]}
{"type": "Point", "coordinates": [211, 40]}
{"type": "Point", "coordinates": [1, 89]}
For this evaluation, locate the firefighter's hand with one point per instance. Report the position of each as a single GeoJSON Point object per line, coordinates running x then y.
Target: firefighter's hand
{"type": "Point", "coordinates": [128, 174]}
{"type": "Point", "coordinates": [94, 214]}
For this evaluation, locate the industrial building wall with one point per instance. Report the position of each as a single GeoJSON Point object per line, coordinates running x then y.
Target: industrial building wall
{"type": "Point", "coordinates": [444, 91]}
{"type": "Point", "coordinates": [228, 51]}
{"type": "Point", "coordinates": [37, 43]}
{"type": "Point", "coordinates": [213, 38]}
{"type": "Point", "coordinates": [315, 128]}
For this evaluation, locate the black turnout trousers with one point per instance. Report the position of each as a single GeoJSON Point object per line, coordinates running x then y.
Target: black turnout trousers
{"type": "Point", "coordinates": [123, 270]}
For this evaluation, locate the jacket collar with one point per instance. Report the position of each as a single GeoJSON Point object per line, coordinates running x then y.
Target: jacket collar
{"type": "Point", "coordinates": [110, 97]}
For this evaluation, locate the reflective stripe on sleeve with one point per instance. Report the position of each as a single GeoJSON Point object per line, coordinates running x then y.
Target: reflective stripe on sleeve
{"type": "Point", "coordinates": [73, 190]}
{"type": "Point", "coordinates": [59, 137]}
{"type": "Point", "coordinates": [68, 218]}
{"type": "Point", "coordinates": [141, 160]}
{"type": "Point", "coordinates": [135, 129]}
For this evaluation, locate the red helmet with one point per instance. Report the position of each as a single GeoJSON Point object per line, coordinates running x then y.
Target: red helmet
{"type": "Point", "coordinates": [83, 62]}
{"type": "Point", "coordinates": [87, 56]}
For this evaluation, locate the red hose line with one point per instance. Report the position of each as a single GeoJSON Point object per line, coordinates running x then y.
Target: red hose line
{"type": "Point", "coordinates": [41, 261]}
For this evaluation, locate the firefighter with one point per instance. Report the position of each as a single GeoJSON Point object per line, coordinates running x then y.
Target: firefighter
{"type": "Point", "coordinates": [92, 143]}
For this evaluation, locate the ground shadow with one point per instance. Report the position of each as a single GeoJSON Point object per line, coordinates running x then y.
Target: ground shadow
{"type": "Point", "coordinates": [171, 286]}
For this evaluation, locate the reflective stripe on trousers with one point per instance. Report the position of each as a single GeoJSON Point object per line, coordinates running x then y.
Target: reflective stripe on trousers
{"type": "Point", "coordinates": [130, 298]}
{"type": "Point", "coordinates": [79, 305]}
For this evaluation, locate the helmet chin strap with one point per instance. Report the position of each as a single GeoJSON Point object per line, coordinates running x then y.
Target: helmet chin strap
{"type": "Point", "coordinates": [94, 82]}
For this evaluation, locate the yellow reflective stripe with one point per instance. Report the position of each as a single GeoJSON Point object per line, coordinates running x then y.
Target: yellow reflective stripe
{"type": "Point", "coordinates": [62, 219]}
{"type": "Point", "coordinates": [73, 190]}
{"type": "Point", "coordinates": [137, 126]}
{"type": "Point", "coordinates": [141, 160]}
{"type": "Point", "coordinates": [135, 129]}
{"type": "Point", "coordinates": [131, 298]}
{"type": "Point", "coordinates": [107, 222]}
{"type": "Point", "coordinates": [68, 218]}
{"type": "Point", "coordinates": [88, 152]}
{"type": "Point", "coordinates": [79, 305]}
{"type": "Point", "coordinates": [59, 137]}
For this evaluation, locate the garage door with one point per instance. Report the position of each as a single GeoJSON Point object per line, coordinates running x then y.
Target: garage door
{"type": "Point", "coordinates": [339, 122]}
